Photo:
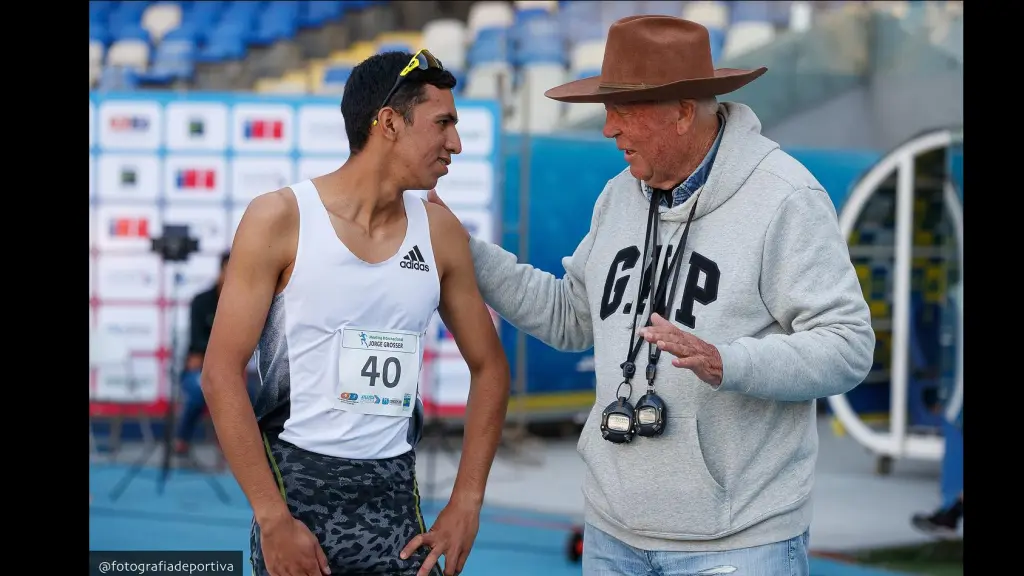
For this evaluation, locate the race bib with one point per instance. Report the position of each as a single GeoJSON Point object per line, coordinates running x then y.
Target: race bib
{"type": "Point", "coordinates": [378, 372]}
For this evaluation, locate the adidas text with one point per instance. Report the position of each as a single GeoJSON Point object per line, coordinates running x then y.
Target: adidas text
{"type": "Point", "coordinates": [414, 260]}
{"type": "Point", "coordinates": [415, 265]}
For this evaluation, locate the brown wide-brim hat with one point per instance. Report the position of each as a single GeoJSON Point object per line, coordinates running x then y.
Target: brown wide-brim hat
{"type": "Point", "coordinates": [652, 58]}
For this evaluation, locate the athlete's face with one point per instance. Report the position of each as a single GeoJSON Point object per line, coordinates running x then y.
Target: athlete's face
{"type": "Point", "coordinates": [427, 144]}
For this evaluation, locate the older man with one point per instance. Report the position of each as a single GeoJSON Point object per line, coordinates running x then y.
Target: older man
{"type": "Point", "coordinates": [705, 464]}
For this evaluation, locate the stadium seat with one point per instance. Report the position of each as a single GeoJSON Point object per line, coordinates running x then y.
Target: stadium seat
{"type": "Point", "coordinates": [174, 59]}
{"type": "Point", "coordinates": [801, 16]}
{"type": "Point", "coordinates": [707, 13]}
{"type": "Point", "coordinates": [160, 18]}
{"type": "Point", "coordinates": [129, 53]}
{"type": "Point", "coordinates": [317, 13]}
{"type": "Point", "coordinates": [489, 14]}
{"type": "Point", "coordinates": [96, 51]}
{"type": "Point", "coordinates": [446, 39]}
{"type": "Point", "coordinates": [745, 36]}
{"type": "Point", "coordinates": [279, 20]}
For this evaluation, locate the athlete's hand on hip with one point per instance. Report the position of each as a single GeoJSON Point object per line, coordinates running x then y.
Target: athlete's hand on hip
{"type": "Point", "coordinates": [690, 352]}
{"type": "Point", "coordinates": [451, 536]}
{"type": "Point", "coordinates": [290, 549]}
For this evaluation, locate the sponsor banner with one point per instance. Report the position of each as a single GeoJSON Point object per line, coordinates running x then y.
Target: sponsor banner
{"type": "Point", "coordinates": [127, 226]}
{"type": "Point", "coordinates": [311, 167]}
{"type": "Point", "coordinates": [262, 128]}
{"type": "Point", "coordinates": [128, 278]}
{"type": "Point", "coordinates": [157, 158]}
{"type": "Point", "coordinates": [477, 221]}
{"type": "Point", "coordinates": [92, 282]}
{"type": "Point", "coordinates": [208, 224]}
{"type": "Point", "coordinates": [196, 126]}
{"type": "Point", "coordinates": [130, 125]}
{"type": "Point", "coordinates": [321, 129]}
{"type": "Point", "coordinates": [134, 383]}
{"type": "Point", "coordinates": [195, 179]}
{"type": "Point", "coordinates": [251, 177]}
{"type": "Point", "coordinates": [128, 331]}
{"type": "Point", "coordinates": [468, 182]}
{"type": "Point", "coordinates": [197, 275]}
{"type": "Point", "coordinates": [128, 177]}
{"type": "Point", "coordinates": [476, 130]}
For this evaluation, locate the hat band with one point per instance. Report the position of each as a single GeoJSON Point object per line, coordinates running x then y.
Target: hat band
{"type": "Point", "coordinates": [625, 86]}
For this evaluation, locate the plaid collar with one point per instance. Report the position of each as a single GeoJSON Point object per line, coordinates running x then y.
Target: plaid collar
{"type": "Point", "coordinates": [699, 177]}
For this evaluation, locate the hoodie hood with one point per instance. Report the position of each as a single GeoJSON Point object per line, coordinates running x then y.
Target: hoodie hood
{"type": "Point", "coordinates": [742, 149]}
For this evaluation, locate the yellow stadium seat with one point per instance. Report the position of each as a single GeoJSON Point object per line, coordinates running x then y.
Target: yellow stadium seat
{"type": "Point", "coordinates": [413, 40]}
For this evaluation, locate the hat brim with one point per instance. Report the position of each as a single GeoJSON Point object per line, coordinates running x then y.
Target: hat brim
{"type": "Point", "coordinates": [589, 89]}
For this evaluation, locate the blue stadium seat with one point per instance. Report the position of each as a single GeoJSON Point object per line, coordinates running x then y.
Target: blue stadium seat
{"type": "Point", "coordinates": [187, 31]}
{"type": "Point", "coordinates": [490, 45]}
{"type": "Point", "coordinates": [750, 11]}
{"type": "Point", "coordinates": [131, 32]}
{"type": "Point", "coordinates": [99, 32]}
{"type": "Point", "coordinates": [318, 12]}
{"type": "Point", "coordinates": [541, 50]}
{"type": "Point", "coordinates": [226, 42]}
{"type": "Point", "coordinates": [202, 18]}
{"type": "Point", "coordinates": [174, 60]}
{"type": "Point", "coordinates": [278, 21]}
{"type": "Point", "coordinates": [117, 78]}
{"type": "Point", "coordinates": [337, 74]}
{"type": "Point", "coordinates": [717, 38]}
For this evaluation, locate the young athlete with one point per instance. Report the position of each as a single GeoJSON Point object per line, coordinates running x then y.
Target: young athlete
{"type": "Point", "coordinates": [334, 282]}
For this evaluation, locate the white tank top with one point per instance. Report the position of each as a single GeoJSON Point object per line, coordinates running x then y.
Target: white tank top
{"type": "Point", "coordinates": [340, 353]}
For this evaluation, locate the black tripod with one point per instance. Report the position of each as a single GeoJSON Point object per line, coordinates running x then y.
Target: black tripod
{"type": "Point", "coordinates": [176, 246]}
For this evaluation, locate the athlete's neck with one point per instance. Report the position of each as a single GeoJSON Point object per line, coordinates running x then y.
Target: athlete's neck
{"type": "Point", "coordinates": [364, 193]}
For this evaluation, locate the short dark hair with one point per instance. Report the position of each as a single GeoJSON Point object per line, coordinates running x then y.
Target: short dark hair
{"type": "Point", "coordinates": [369, 84]}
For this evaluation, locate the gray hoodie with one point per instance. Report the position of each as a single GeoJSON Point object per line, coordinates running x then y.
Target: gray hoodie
{"type": "Point", "coordinates": [767, 278]}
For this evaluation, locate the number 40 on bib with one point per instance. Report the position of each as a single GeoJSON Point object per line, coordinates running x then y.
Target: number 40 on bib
{"type": "Point", "coordinates": [379, 371]}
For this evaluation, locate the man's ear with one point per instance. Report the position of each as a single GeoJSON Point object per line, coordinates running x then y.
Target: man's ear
{"type": "Point", "coordinates": [387, 120]}
{"type": "Point", "coordinates": [687, 115]}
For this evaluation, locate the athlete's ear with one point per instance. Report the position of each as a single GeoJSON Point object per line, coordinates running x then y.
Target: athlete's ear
{"type": "Point", "coordinates": [387, 120]}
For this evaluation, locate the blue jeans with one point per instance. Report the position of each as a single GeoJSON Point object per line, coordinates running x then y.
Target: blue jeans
{"type": "Point", "coordinates": [607, 556]}
{"type": "Point", "coordinates": [192, 404]}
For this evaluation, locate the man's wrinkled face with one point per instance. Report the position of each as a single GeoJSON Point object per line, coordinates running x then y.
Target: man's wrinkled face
{"type": "Point", "coordinates": [642, 131]}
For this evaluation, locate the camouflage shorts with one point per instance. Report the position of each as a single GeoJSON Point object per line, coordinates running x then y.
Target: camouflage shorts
{"type": "Point", "coordinates": [363, 512]}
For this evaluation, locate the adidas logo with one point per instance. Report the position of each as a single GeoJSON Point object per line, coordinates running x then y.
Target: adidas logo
{"type": "Point", "coordinates": [414, 260]}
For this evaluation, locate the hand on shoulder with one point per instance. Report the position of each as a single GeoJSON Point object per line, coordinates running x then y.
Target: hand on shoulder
{"type": "Point", "coordinates": [443, 221]}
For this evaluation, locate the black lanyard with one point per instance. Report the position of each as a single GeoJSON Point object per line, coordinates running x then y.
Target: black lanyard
{"type": "Point", "coordinates": [657, 301]}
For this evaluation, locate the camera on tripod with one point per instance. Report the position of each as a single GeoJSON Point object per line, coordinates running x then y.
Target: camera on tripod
{"type": "Point", "coordinates": [175, 245]}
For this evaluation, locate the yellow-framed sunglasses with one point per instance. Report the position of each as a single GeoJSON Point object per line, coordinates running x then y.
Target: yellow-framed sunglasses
{"type": "Point", "coordinates": [421, 60]}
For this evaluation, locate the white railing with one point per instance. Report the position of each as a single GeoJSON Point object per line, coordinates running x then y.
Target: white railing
{"type": "Point", "coordinates": [899, 441]}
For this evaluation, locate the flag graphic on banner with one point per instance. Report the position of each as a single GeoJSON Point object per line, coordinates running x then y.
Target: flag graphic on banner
{"type": "Point", "coordinates": [196, 127]}
{"type": "Point", "coordinates": [129, 123]}
{"type": "Point", "coordinates": [264, 129]}
{"type": "Point", "coordinates": [196, 179]}
{"type": "Point", "coordinates": [129, 227]}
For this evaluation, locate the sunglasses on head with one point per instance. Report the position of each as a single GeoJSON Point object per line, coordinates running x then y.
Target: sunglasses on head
{"type": "Point", "coordinates": [422, 60]}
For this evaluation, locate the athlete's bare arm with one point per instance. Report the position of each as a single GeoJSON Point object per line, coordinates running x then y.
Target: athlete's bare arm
{"type": "Point", "coordinates": [463, 311]}
{"type": "Point", "coordinates": [466, 316]}
{"type": "Point", "coordinates": [263, 248]}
